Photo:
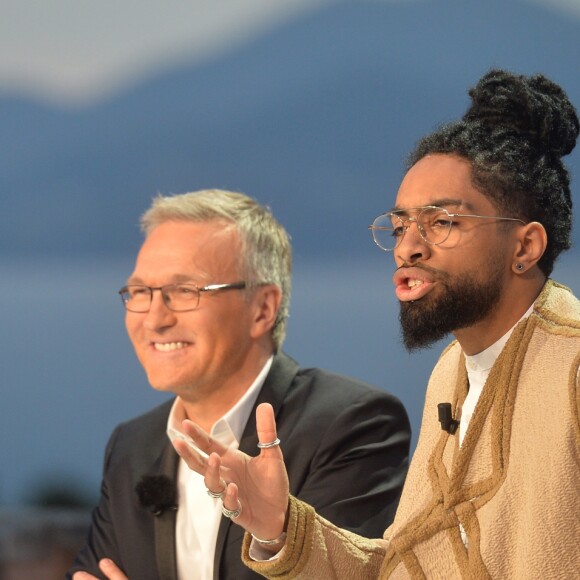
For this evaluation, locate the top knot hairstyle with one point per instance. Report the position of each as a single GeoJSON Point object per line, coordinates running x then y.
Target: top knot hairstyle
{"type": "Point", "coordinates": [514, 135]}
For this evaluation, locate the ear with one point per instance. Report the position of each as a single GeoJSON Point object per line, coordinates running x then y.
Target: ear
{"type": "Point", "coordinates": [532, 242]}
{"type": "Point", "coordinates": [266, 302]}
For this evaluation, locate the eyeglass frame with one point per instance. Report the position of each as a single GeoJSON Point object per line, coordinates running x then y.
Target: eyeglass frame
{"type": "Point", "coordinates": [421, 209]}
{"type": "Point", "coordinates": [208, 288]}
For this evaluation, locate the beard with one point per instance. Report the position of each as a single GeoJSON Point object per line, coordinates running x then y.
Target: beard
{"type": "Point", "coordinates": [464, 301]}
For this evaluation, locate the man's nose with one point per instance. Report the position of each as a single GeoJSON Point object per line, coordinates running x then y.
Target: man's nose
{"type": "Point", "coordinates": [159, 315]}
{"type": "Point", "coordinates": [412, 247]}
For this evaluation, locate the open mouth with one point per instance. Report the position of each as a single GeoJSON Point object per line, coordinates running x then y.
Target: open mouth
{"type": "Point", "coordinates": [411, 284]}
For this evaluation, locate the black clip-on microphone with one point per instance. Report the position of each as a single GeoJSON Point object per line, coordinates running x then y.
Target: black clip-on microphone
{"type": "Point", "coordinates": [157, 493]}
{"type": "Point", "coordinates": [448, 423]}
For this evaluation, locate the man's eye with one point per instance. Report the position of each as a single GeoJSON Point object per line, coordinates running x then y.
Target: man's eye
{"type": "Point", "coordinates": [398, 231]}
{"type": "Point", "coordinates": [442, 223]}
{"type": "Point", "coordinates": [185, 291]}
{"type": "Point", "coordinates": [138, 292]}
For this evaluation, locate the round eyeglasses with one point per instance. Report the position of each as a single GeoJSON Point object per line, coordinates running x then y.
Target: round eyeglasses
{"type": "Point", "coordinates": [434, 225]}
{"type": "Point", "coordinates": [177, 297]}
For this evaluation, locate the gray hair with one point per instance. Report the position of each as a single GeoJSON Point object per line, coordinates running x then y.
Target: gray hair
{"type": "Point", "coordinates": [265, 244]}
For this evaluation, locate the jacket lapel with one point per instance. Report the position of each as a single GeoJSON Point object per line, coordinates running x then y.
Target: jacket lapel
{"type": "Point", "coordinates": [273, 391]}
{"type": "Point", "coordinates": [165, 549]}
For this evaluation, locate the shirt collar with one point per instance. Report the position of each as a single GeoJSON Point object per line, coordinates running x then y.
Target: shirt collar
{"type": "Point", "coordinates": [229, 429]}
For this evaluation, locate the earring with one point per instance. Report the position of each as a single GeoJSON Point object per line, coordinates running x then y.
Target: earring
{"type": "Point", "coordinates": [519, 266]}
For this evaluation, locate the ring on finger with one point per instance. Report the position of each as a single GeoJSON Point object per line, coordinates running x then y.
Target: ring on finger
{"type": "Point", "coordinates": [217, 494]}
{"type": "Point", "coordinates": [232, 513]}
{"type": "Point", "coordinates": [269, 444]}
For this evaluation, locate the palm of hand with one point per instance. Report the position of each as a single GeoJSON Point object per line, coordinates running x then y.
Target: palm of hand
{"type": "Point", "coordinates": [258, 484]}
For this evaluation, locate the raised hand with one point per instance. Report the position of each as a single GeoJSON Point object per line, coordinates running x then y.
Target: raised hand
{"type": "Point", "coordinates": [256, 487]}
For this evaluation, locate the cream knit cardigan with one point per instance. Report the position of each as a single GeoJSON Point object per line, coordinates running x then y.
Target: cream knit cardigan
{"type": "Point", "coordinates": [514, 485]}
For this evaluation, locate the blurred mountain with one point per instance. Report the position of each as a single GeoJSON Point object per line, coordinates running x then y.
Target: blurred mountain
{"type": "Point", "coordinates": [314, 119]}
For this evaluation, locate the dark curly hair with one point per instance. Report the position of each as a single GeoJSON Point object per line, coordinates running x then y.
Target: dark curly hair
{"type": "Point", "coordinates": [514, 135]}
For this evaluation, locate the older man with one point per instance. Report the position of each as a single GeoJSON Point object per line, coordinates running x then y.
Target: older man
{"type": "Point", "coordinates": [206, 310]}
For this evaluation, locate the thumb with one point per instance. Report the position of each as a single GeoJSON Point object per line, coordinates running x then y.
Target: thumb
{"type": "Point", "coordinates": [266, 427]}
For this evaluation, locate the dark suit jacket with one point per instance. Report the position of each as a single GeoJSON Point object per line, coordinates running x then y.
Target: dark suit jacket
{"type": "Point", "coordinates": [345, 446]}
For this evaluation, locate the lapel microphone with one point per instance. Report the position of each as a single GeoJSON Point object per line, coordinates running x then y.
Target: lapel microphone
{"type": "Point", "coordinates": [156, 493]}
{"type": "Point", "coordinates": [448, 423]}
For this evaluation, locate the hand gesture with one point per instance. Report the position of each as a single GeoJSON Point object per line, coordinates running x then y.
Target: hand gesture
{"type": "Point", "coordinates": [254, 489]}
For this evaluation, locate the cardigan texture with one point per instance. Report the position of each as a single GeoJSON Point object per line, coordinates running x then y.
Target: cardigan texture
{"type": "Point", "coordinates": [514, 484]}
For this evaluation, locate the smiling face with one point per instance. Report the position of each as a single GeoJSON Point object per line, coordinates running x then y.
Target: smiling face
{"type": "Point", "coordinates": [459, 283]}
{"type": "Point", "coordinates": [212, 350]}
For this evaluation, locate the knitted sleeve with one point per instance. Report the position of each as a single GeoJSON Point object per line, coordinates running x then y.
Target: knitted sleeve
{"type": "Point", "coordinates": [315, 548]}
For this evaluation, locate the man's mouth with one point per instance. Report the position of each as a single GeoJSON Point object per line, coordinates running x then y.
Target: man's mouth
{"type": "Point", "coordinates": [169, 346]}
{"type": "Point", "coordinates": [411, 284]}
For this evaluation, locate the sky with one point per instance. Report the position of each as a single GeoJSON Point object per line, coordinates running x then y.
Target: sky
{"type": "Point", "coordinates": [77, 52]}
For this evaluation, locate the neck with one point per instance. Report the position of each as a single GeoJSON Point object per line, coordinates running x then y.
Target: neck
{"type": "Point", "coordinates": [517, 297]}
{"type": "Point", "coordinates": [207, 407]}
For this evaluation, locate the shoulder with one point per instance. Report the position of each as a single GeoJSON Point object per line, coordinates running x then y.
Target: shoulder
{"type": "Point", "coordinates": [337, 389]}
{"type": "Point", "coordinates": [143, 433]}
{"type": "Point", "coordinates": [555, 327]}
{"type": "Point", "coordinates": [155, 418]}
{"type": "Point", "coordinates": [558, 307]}
{"type": "Point", "coordinates": [316, 400]}
{"type": "Point", "coordinates": [292, 382]}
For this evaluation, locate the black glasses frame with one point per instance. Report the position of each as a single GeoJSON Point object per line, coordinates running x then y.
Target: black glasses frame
{"type": "Point", "coordinates": [124, 293]}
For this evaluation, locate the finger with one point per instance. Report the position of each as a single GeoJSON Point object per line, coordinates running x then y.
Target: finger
{"type": "Point", "coordinates": [111, 570]}
{"type": "Point", "coordinates": [202, 439]}
{"type": "Point", "coordinates": [195, 461]}
{"type": "Point", "coordinates": [84, 576]}
{"type": "Point", "coordinates": [213, 481]}
{"type": "Point", "coordinates": [232, 499]}
{"type": "Point", "coordinates": [266, 427]}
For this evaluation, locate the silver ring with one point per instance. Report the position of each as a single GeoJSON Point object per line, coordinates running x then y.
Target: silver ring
{"type": "Point", "coordinates": [232, 513]}
{"type": "Point", "coordinates": [217, 494]}
{"type": "Point", "coordinates": [270, 444]}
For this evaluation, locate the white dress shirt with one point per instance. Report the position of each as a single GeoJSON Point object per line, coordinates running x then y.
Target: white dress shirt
{"type": "Point", "coordinates": [199, 515]}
